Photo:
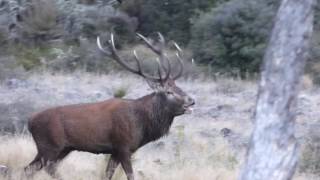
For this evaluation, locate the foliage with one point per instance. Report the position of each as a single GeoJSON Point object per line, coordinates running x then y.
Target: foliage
{"type": "Point", "coordinates": [313, 65]}
{"type": "Point", "coordinates": [9, 68]}
{"type": "Point", "coordinates": [89, 21]}
{"type": "Point", "coordinates": [29, 57]}
{"type": "Point", "coordinates": [309, 162]}
{"type": "Point", "coordinates": [233, 36]}
{"type": "Point", "coordinates": [172, 18]}
{"type": "Point", "coordinates": [120, 92]}
{"type": "Point", "coordinates": [38, 20]}
{"type": "Point", "coordinates": [225, 37]}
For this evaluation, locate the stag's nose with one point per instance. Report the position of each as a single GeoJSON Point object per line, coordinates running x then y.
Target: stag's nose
{"type": "Point", "coordinates": [189, 101]}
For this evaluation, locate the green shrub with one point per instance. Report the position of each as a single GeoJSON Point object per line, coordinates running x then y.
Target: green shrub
{"type": "Point", "coordinates": [29, 57]}
{"type": "Point", "coordinates": [39, 20]}
{"type": "Point", "coordinates": [172, 18]}
{"type": "Point", "coordinates": [120, 92]}
{"type": "Point", "coordinates": [233, 36]}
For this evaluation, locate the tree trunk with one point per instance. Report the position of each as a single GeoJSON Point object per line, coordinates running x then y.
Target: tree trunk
{"type": "Point", "coordinates": [273, 151]}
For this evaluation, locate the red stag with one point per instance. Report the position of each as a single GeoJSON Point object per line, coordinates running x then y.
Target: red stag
{"type": "Point", "coordinates": [116, 126]}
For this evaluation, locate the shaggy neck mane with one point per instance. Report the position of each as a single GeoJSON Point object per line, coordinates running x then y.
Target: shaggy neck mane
{"type": "Point", "coordinates": [157, 116]}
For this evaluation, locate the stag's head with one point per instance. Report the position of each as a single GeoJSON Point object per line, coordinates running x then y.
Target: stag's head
{"type": "Point", "coordinates": [164, 82]}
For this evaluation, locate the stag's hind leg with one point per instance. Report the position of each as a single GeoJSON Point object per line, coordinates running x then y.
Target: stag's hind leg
{"type": "Point", "coordinates": [35, 165]}
{"type": "Point", "coordinates": [53, 160]}
{"type": "Point", "coordinates": [47, 158]}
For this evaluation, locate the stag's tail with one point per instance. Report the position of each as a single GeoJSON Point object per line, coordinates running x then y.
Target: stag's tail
{"type": "Point", "coordinates": [30, 122]}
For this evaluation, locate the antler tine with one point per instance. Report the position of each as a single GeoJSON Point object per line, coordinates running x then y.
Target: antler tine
{"type": "Point", "coordinates": [178, 54]}
{"type": "Point", "coordinates": [168, 71]}
{"type": "Point", "coordinates": [160, 53]}
{"type": "Point", "coordinates": [161, 40]}
{"type": "Point", "coordinates": [139, 66]}
{"type": "Point", "coordinates": [136, 58]}
{"type": "Point", "coordinates": [100, 46]}
{"type": "Point", "coordinates": [116, 57]}
{"type": "Point", "coordinates": [159, 70]}
{"type": "Point", "coordinates": [149, 44]}
{"type": "Point", "coordinates": [164, 56]}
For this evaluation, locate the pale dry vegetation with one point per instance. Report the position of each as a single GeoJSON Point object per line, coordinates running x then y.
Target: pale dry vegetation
{"type": "Point", "coordinates": [208, 144]}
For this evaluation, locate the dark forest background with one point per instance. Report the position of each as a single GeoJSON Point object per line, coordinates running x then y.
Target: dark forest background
{"type": "Point", "coordinates": [224, 37]}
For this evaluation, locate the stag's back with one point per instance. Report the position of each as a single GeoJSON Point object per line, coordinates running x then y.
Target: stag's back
{"type": "Point", "coordinates": [96, 127]}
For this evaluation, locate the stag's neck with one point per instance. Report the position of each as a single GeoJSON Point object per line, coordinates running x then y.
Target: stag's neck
{"type": "Point", "coordinates": [157, 117]}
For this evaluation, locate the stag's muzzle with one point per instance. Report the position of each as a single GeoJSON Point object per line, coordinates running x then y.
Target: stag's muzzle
{"type": "Point", "coordinates": [188, 106]}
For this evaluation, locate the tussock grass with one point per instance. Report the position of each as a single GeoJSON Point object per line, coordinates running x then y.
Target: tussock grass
{"type": "Point", "coordinates": [193, 150]}
{"type": "Point", "coordinates": [17, 151]}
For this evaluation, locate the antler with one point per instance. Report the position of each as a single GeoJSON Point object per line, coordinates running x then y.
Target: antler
{"type": "Point", "coordinates": [163, 56]}
{"type": "Point", "coordinates": [160, 52]}
{"type": "Point", "coordinates": [178, 54]}
{"type": "Point", "coordinates": [124, 64]}
{"type": "Point", "coordinates": [163, 60]}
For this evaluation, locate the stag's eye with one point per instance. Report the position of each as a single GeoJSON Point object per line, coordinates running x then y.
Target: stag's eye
{"type": "Point", "coordinates": [169, 93]}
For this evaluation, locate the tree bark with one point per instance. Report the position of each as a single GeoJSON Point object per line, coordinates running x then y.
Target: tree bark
{"type": "Point", "coordinates": [273, 150]}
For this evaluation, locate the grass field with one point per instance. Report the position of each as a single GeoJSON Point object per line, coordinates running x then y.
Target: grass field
{"type": "Point", "coordinates": [195, 149]}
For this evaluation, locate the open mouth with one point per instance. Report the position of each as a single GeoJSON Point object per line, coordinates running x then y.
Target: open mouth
{"type": "Point", "coordinates": [188, 109]}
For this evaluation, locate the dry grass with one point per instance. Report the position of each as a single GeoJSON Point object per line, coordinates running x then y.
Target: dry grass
{"type": "Point", "coordinates": [194, 148]}
{"type": "Point", "coordinates": [16, 152]}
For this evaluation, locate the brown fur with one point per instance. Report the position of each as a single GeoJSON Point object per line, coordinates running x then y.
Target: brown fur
{"type": "Point", "coordinates": [116, 126]}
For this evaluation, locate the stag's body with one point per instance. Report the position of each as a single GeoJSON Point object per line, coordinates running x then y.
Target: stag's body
{"type": "Point", "coordinates": [116, 126]}
{"type": "Point", "coordinates": [113, 126]}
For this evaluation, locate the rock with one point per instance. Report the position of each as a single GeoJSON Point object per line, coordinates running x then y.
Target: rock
{"type": "Point", "coordinates": [3, 170]}
{"type": "Point", "coordinates": [159, 145]}
{"type": "Point", "coordinates": [225, 132]}
{"type": "Point", "coordinates": [16, 83]}
{"type": "Point", "coordinates": [236, 141]}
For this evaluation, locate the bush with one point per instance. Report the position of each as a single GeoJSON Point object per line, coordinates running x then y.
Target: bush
{"type": "Point", "coordinates": [81, 20]}
{"type": "Point", "coordinates": [30, 57]}
{"type": "Point", "coordinates": [313, 65]}
{"type": "Point", "coordinates": [233, 36]}
{"type": "Point", "coordinates": [38, 21]}
{"type": "Point", "coordinates": [120, 92]}
{"type": "Point", "coordinates": [172, 18]}
{"type": "Point", "coordinates": [310, 158]}
{"type": "Point", "coordinates": [9, 68]}
{"type": "Point", "coordinates": [3, 39]}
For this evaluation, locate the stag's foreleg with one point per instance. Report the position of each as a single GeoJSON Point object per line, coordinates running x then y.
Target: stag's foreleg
{"type": "Point", "coordinates": [125, 160]}
{"type": "Point", "coordinates": [111, 167]}
{"type": "Point", "coordinates": [51, 164]}
{"type": "Point", "coordinates": [127, 167]}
